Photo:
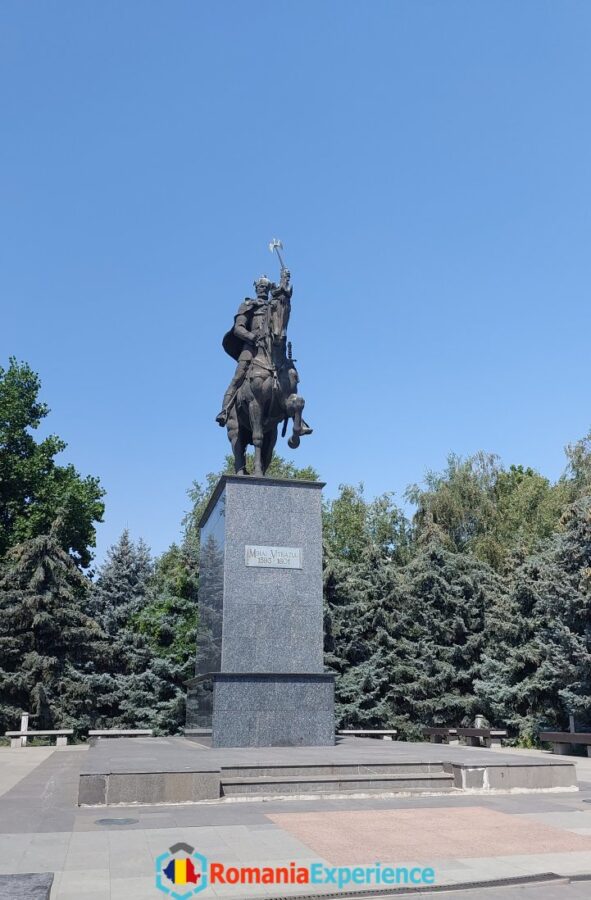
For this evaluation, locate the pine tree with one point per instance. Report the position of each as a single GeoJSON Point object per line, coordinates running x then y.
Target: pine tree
{"type": "Point", "coordinates": [370, 641]}
{"type": "Point", "coordinates": [537, 665]}
{"type": "Point", "coordinates": [168, 623]}
{"type": "Point", "coordinates": [131, 695]}
{"type": "Point", "coordinates": [150, 612]}
{"type": "Point", "coordinates": [448, 594]}
{"type": "Point", "coordinates": [50, 650]}
{"type": "Point", "coordinates": [120, 589]}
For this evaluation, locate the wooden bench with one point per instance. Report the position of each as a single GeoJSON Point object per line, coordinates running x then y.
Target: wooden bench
{"type": "Point", "coordinates": [384, 734]}
{"type": "Point", "coordinates": [482, 737]}
{"type": "Point", "coordinates": [61, 736]}
{"type": "Point", "coordinates": [441, 735]}
{"type": "Point", "coordinates": [563, 741]}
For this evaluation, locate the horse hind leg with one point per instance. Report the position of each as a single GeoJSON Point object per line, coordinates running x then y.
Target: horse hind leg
{"type": "Point", "coordinates": [256, 423]}
{"type": "Point", "coordinates": [268, 447]}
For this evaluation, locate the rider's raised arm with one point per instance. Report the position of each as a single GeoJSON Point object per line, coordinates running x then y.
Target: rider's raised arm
{"type": "Point", "coordinates": [284, 289]}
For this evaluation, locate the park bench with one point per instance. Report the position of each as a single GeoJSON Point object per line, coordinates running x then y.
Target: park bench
{"type": "Point", "coordinates": [563, 741]}
{"type": "Point", "coordinates": [441, 735]}
{"type": "Point", "coordinates": [61, 736]}
{"type": "Point", "coordinates": [101, 733]}
{"type": "Point", "coordinates": [479, 737]}
{"type": "Point", "coordinates": [384, 734]}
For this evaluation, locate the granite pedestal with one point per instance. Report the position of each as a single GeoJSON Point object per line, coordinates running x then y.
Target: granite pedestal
{"type": "Point", "coordinates": [259, 679]}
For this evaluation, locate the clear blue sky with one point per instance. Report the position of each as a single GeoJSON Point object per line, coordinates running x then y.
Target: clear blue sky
{"type": "Point", "coordinates": [427, 165]}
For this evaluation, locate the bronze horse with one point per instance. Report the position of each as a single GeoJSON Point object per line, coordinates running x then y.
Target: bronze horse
{"type": "Point", "coordinates": [268, 394]}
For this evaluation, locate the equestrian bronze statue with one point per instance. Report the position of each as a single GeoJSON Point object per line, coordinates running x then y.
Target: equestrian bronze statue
{"type": "Point", "coordinates": [263, 392]}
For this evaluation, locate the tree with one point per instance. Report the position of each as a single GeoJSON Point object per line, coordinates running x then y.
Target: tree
{"type": "Point", "coordinates": [34, 489]}
{"type": "Point", "coordinates": [537, 665]}
{"type": "Point", "coordinates": [50, 650]}
{"type": "Point", "coordinates": [130, 698]}
{"type": "Point", "coordinates": [578, 473]}
{"type": "Point", "coordinates": [460, 500]}
{"type": "Point", "coordinates": [149, 611]}
{"type": "Point", "coordinates": [351, 524]}
{"type": "Point", "coordinates": [120, 590]}
{"type": "Point", "coordinates": [168, 623]}
{"type": "Point", "coordinates": [528, 509]}
{"type": "Point", "coordinates": [370, 642]}
{"type": "Point", "coordinates": [448, 595]}
{"type": "Point", "coordinates": [481, 508]}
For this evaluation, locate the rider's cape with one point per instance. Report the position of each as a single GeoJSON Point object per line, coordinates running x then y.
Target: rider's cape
{"type": "Point", "coordinates": [232, 344]}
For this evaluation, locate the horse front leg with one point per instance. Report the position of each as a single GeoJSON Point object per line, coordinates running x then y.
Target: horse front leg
{"type": "Point", "coordinates": [237, 442]}
{"type": "Point", "coordinates": [295, 405]}
{"type": "Point", "coordinates": [255, 411]}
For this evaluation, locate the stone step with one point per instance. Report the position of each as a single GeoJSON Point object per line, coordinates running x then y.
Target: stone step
{"type": "Point", "coordinates": [337, 784]}
{"type": "Point", "coordinates": [304, 770]}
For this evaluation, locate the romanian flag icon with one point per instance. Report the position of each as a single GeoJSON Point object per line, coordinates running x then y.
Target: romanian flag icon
{"type": "Point", "coordinates": [181, 871]}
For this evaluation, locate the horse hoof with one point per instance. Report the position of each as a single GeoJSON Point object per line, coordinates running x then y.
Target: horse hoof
{"type": "Point", "coordinates": [294, 441]}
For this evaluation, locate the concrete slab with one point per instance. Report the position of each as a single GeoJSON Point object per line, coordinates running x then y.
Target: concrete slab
{"type": "Point", "coordinates": [17, 764]}
{"type": "Point", "coordinates": [357, 838]}
{"type": "Point", "coordinates": [246, 833]}
{"type": "Point", "coordinates": [174, 770]}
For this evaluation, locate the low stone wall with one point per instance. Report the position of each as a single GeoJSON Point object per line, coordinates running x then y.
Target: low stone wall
{"type": "Point", "coordinates": [514, 777]}
{"type": "Point", "coordinates": [148, 787]}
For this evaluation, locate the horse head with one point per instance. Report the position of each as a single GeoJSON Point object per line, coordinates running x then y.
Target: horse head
{"type": "Point", "coordinates": [280, 312]}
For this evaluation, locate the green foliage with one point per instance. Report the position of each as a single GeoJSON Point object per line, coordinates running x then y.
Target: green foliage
{"type": "Point", "coordinates": [119, 592]}
{"type": "Point", "coordinates": [351, 524]}
{"type": "Point", "coordinates": [484, 607]}
{"type": "Point", "coordinates": [50, 650]}
{"type": "Point", "coordinates": [169, 618]}
{"type": "Point", "coordinates": [137, 604]}
{"type": "Point", "coordinates": [537, 666]}
{"type": "Point", "coordinates": [481, 508]}
{"type": "Point", "coordinates": [578, 474]}
{"type": "Point", "coordinates": [34, 490]}
{"type": "Point", "coordinates": [406, 640]}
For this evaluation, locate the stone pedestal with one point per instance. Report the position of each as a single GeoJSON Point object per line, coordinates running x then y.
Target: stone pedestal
{"type": "Point", "coordinates": [259, 679]}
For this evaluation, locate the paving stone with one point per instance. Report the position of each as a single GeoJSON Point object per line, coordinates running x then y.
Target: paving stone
{"type": "Point", "coordinates": [133, 888]}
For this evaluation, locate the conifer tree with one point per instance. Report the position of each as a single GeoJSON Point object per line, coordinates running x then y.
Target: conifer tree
{"type": "Point", "coordinates": [132, 695]}
{"type": "Point", "coordinates": [537, 665]}
{"type": "Point", "coordinates": [448, 594]}
{"type": "Point", "coordinates": [50, 650]}
{"type": "Point", "coordinates": [121, 586]}
{"type": "Point", "coordinates": [370, 642]}
{"type": "Point", "coordinates": [168, 624]}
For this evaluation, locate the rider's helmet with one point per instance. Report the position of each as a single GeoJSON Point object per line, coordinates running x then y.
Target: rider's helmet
{"type": "Point", "coordinates": [263, 281]}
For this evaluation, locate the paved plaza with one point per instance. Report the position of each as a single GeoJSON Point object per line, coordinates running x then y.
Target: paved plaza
{"type": "Point", "coordinates": [109, 852]}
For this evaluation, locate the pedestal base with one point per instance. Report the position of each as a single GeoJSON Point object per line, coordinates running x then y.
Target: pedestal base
{"type": "Point", "coordinates": [272, 710]}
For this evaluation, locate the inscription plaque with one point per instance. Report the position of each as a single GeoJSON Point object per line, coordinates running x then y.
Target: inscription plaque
{"type": "Point", "coordinates": [273, 557]}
